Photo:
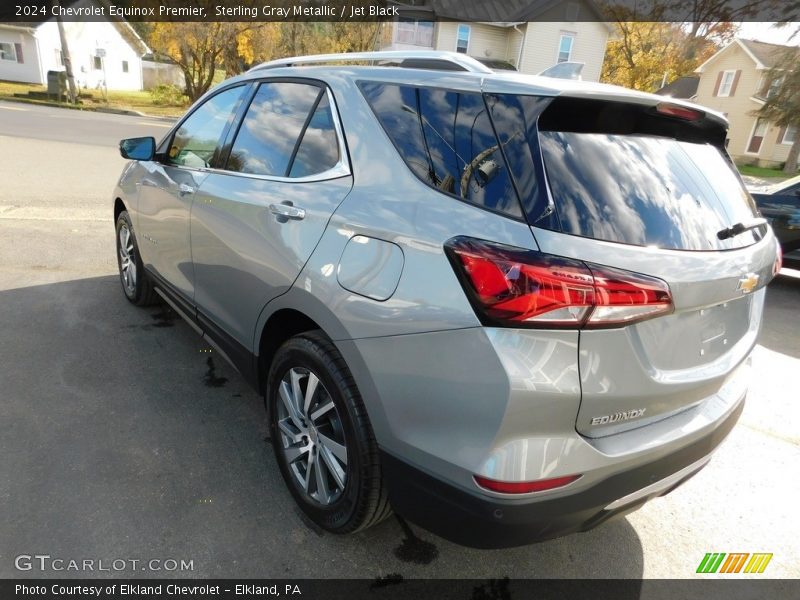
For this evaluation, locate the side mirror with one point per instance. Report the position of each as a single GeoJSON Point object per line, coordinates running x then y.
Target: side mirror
{"type": "Point", "coordinates": [143, 148]}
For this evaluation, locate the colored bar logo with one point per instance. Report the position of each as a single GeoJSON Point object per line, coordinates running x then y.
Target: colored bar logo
{"type": "Point", "coordinates": [719, 562]}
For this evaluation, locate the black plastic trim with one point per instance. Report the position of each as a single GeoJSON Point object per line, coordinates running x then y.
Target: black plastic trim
{"type": "Point", "coordinates": [480, 521]}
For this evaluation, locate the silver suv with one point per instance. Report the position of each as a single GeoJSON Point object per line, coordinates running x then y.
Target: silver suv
{"type": "Point", "coordinates": [508, 307]}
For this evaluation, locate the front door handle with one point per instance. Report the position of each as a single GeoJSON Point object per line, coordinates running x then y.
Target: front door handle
{"type": "Point", "coordinates": [287, 211]}
{"type": "Point", "coordinates": [185, 190]}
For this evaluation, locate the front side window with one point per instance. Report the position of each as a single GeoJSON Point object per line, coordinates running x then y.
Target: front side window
{"type": "Point", "coordinates": [196, 142]}
{"type": "Point", "coordinates": [446, 139]}
{"type": "Point", "coordinates": [287, 132]}
{"type": "Point", "coordinates": [7, 52]}
{"type": "Point", "coordinates": [565, 47]}
{"type": "Point", "coordinates": [462, 38]}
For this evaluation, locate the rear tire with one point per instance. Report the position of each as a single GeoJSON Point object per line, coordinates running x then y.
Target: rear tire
{"type": "Point", "coordinates": [136, 284]}
{"type": "Point", "coordinates": [323, 441]}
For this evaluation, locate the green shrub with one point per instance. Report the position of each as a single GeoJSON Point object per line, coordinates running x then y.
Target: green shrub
{"type": "Point", "coordinates": [167, 94]}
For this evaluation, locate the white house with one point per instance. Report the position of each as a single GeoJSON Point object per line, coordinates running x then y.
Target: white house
{"type": "Point", "coordinates": [537, 35]}
{"type": "Point", "coordinates": [107, 51]}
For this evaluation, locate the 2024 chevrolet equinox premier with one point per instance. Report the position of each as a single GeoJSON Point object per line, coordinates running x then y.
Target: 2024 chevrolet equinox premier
{"type": "Point", "coordinates": [509, 307]}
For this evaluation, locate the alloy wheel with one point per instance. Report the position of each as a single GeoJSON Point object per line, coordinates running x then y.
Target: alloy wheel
{"type": "Point", "coordinates": [127, 259]}
{"type": "Point", "coordinates": [312, 436]}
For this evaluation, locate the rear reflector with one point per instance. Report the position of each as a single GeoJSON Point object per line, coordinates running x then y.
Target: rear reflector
{"type": "Point", "coordinates": [524, 487]}
{"type": "Point", "coordinates": [778, 264]}
{"type": "Point", "coordinates": [680, 112]}
{"type": "Point", "coordinates": [516, 287]}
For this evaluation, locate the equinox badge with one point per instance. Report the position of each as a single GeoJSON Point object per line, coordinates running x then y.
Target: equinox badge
{"type": "Point", "coordinates": [620, 416]}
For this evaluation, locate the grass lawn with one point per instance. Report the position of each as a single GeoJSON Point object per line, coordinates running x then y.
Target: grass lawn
{"type": "Point", "coordinates": [138, 101]}
{"type": "Point", "coordinates": [754, 171]}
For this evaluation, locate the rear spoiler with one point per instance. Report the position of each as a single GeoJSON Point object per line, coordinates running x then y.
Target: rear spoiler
{"type": "Point", "coordinates": [564, 70]}
{"type": "Point", "coordinates": [616, 116]}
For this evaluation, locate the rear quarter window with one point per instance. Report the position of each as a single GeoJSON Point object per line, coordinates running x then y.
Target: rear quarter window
{"type": "Point", "coordinates": [447, 140]}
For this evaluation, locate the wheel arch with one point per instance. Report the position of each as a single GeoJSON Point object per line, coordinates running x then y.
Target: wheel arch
{"type": "Point", "coordinates": [119, 206]}
{"type": "Point", "coordinates": [288, 315]}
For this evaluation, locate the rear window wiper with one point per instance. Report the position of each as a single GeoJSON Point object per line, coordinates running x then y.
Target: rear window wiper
{"type": "Point", "coordinates": [738, 228]}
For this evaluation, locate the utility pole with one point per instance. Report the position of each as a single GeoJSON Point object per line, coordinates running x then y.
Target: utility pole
{"type": "Point", "coordinates": [72, 92]}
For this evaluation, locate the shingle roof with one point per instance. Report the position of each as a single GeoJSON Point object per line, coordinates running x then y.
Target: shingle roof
{"type": "Point", "coordinates": [769, 55]}
{"type": "Point", "coordinates": [494, 11]}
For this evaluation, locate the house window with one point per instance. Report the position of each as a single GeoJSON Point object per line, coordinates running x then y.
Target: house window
{"type": "Point", "coordinates": [462, 39]}
{"type": "Point", "coordinates": [97, 63]}
{"type": "Point", "coordinates": [774, 86]}
{"type": "Point", "coordinates": [414, 31]}
{"type": "Point", "coordinates": [759, 130]}
{"type": "Point", "coordinates": [726, 83]}
{"type": "Point", "coordinates": [124, 66]}
{"type": "Point", "coordinates": [790, 135]}
{"type": "Point", "coordinates": [7, 52]}
{"type": "Point", "coordinates": [565, 47]}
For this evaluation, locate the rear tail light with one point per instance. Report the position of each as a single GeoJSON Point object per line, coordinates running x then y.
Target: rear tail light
{"type": "Point", "coordinates": [510, 286]}
{"type": "Point", "coordinates": [524, 487]}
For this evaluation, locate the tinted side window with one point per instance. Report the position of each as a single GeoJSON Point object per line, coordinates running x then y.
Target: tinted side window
{"type": "Point", "coordinates": [514, 120]}
{"type": "Point", "coordinates": [446, 139]}
{"type": "Point", "coordinates": [318, 150]}
{"type": "Point", "coordinates": [196, 142]}
{"type": "Point", "coordinates": [271, 128]}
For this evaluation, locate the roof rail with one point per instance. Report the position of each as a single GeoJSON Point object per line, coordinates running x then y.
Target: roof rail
{"type": "Point", "coordinates": [430, 59]}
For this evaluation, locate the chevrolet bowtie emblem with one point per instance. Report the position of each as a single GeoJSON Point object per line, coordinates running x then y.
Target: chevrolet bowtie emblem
{"type": "Point", "coordinates": [748, 283]}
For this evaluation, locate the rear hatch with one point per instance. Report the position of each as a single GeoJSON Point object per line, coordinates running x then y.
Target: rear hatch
{"type": "Point", "coordinates": [647, 188]}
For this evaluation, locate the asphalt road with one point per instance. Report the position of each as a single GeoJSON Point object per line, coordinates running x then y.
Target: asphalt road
{"type": "Point", "coordinates": [120, 440]}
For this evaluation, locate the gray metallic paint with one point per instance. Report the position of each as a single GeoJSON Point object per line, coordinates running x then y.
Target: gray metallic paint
{"type": "Point", "coordinates": [449, 396]}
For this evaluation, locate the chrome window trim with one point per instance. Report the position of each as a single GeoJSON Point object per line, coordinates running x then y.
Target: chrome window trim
{"type": "Point", "coordinates": [341, 169]}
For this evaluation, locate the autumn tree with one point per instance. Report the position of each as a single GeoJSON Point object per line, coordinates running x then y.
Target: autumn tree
{"type": "Point", "coordinates": [641, 53]}
{"type": "Point", "coordinates": [200, 49]}
{"type": "Point", "coordinates": [782, 106]}
{"type": "Point", "coordinates": [655, 42]}
{"type": "Point", "coordinates": [195, 47]}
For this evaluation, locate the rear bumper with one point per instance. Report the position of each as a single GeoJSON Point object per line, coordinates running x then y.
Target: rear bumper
{"type": "Point", "coordinates": [480, 521]}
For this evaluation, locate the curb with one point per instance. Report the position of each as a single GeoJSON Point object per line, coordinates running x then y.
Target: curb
{"type": "Point", "coordinates": [100, 109]}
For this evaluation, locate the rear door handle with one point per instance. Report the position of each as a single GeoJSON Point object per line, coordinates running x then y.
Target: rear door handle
{"type": "Point", "coordinates": [185, 190]}
{"type": "Point", "coordinates": [287, 211]}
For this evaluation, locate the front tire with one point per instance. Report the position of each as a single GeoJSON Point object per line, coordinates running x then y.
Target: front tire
{"type": "Point", "coordinates": [136, 285]}
{"type": "Point", "coordinates": [322, 437]}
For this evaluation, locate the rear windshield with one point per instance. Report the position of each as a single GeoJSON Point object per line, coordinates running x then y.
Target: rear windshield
{"type": "Point", "coordinates": [643, 189]}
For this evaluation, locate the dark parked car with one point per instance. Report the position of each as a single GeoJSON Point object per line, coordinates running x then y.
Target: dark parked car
{"type": "Point", "coordinates": [780, 204]}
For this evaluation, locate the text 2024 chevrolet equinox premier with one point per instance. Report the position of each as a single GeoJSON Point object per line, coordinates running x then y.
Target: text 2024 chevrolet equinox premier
{"type": "Point", "coordinates": [509, 307]}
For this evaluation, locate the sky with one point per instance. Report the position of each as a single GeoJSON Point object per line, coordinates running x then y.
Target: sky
{"type": "Point", "coordinates": [766, 32]}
